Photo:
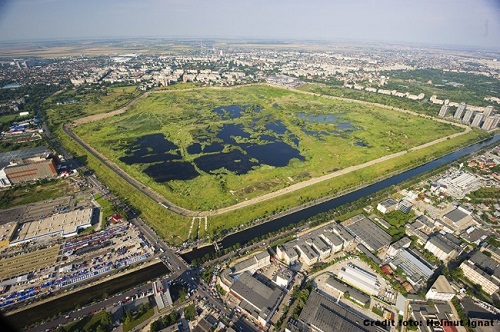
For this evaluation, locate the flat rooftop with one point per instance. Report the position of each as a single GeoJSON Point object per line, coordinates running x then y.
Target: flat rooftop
{"type": "Point", "coordinates": [326, 315]}
{"type": "Point", "coordinates": [63, 223]}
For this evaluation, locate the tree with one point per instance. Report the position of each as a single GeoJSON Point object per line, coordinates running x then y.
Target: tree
{"type": "Point", "coordinates": [155, 326]}
{"type": "Point", "coordinates": [190, 312]}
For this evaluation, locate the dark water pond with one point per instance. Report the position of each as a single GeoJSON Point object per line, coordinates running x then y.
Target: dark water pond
{"type": "Point", "coordinates": [150, 149]}
{"type": "Point", "coordinates": [247, 155]}
{"type": "Point", "coordinates": [171, 170]}
{"type": "Point", "coordinates": [230, 146]}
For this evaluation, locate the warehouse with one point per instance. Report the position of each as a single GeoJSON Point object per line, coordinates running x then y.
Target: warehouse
{"type": "Point", "coordinates": [323, 315]}
{"type": "Point", "coordinates": [360, 279]}
{"type": "Point", "coordinates": [367, 232]}
{"type": "Point", "coordinates": [257, 299]}
{"type": "Point", "coordinates": [63, 224]}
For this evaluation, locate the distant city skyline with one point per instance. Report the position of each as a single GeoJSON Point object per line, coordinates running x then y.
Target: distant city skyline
{"type": "Point", "coordinates": [466, 23]}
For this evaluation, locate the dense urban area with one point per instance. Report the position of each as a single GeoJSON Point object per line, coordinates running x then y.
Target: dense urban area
{"type": "Point", "coordinates": [81, 251]}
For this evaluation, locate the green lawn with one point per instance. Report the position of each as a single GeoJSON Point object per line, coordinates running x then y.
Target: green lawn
{"type": "Point", "coordinates": [74, 103]}
{"type": "Point", "coordinates": [37, 192]}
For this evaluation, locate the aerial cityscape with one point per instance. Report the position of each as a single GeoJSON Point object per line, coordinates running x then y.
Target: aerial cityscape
{"type": "Point", "coordinates": [249, 167]}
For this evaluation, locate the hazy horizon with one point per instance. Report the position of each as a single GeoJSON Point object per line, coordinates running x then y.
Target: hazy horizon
{"type": "Point", "coordinates": [456, 23]}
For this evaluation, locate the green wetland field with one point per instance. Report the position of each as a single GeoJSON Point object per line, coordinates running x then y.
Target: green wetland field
{"type": "Point", "coordinates": [209, 148]}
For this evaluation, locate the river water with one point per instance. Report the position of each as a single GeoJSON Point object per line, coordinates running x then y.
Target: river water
{"type": "Point", "coordinates": [243, 237]}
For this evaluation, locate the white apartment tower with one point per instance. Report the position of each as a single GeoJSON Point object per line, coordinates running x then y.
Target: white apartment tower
{"type": "Point", "coordinates": [460, 111]}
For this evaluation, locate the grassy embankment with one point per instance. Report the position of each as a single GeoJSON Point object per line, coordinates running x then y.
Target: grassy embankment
{"type": "Point", "coordinates": [184, 116]}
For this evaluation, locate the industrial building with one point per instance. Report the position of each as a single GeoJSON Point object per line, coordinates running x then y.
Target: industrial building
{"type": "Point", "coordinates": [342, 288]}
{"type": "Point", "coordinates": [360, 279]}
{"type": "Point", "coordinates": [321, 247]}
{"type": "Point", "coordinates": [416, 269]}
{"type": "Point", "coordinates": [405, 206]}
{"type": "Point", "coordinates": [459, 218]}
{"type": "Point", "coordinates": [441, 290]}
{"type": "Point", "coordinates": [316, 245]}
{"type": "Point", "coordinates": [287, 253]}
{"type": "Point", "coordinates": [367, 232]}
{"type": "Point", "coordinates": [395, 247]}
{"type": "Point", "coordinates": [444, 246]}
{"type": "Point", "coordinates": [387, 205]}
{"type": "Point", "coordinates": [283, 277]}
{"type": "Point", "coordinates": [440, 312]}
{"type": "Point", "coordinates": [414, 229]}
{"type": "Point", "coordinates": [31, 171]}
{"type": "Point", "coordinates": [63, 224]}
{"type": "Point", "coordinates": [321, 314]}
{"type": "Point", "coordinates": [306, 253]}
{"type": "Point", "coordinates": [253, 263]}
{"type": "Point", "coordinates": [259, 300]}
{"type": "Point", "coordinates": [27, 165]}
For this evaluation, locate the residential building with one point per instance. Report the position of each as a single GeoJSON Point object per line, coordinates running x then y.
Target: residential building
{"type": "Point", "coordinates": [460, 111]}
{"type": "Point", "coordinates": [478, 120]}
{"type": "Point", "coordinates": [161, 293]}
{"type": "Point", "coordinates": [489, 284]}
{"type": "Point", "coordinates": [468, 117]}
{"type": "Point", "coordinates": [491, 122]}
{"type": "Point", "coordinates": [443, 111]}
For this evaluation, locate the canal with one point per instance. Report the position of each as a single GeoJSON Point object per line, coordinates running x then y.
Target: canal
{"type": "Point", "coordinates": [243, 237]}
{"type": "Point", "coordinates": [85, 296]}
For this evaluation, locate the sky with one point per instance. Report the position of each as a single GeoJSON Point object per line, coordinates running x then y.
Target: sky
{"type": "Point", "coordinates": [470, 23]}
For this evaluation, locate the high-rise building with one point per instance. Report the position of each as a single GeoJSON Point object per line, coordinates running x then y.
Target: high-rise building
{"type": "Point", "coordinates": [469, 115]}
{"type": "Point", "coordinates": [443, 111]}
{"type": "Point", "coordinates": [477, 120]}
{"type": "Point", "coordinates": [491, 122]}
{"type": "Point", "coordinates": [488, 111]}
{"type": "Point", "coordinates": [460, 111]}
